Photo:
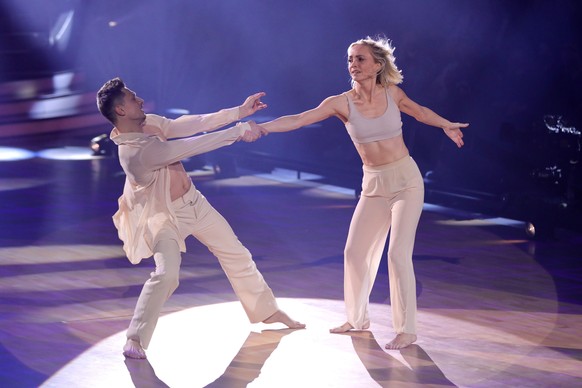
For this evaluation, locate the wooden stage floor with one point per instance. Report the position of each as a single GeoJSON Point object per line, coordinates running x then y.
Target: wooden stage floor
{"type": "Point", "coordinates": [495, 309]}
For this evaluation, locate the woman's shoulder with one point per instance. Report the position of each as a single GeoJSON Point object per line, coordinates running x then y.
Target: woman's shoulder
{"type": "Point", "coordinates": [395, 92]}
{"type": "Point", "coordinates": [342, 97]}
{"type": "Point", "coordinates": [336, 104]}
{"type": "Point", "coordinates": [393, 88]}
{"type": "Point", "coordinates": [337, 98]}
{"type": "Point", "coordinates": [343, 94]}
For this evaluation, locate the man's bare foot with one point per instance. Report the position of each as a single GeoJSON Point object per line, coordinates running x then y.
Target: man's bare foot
{"type": "Point", "coordinates": [281, 317]}
{"type": "Point", "coordinates": [133, 349]}
{"type": "Point", "coordinates": [401, 340]}
{"type": "Point", "coordinates": [347, 327]}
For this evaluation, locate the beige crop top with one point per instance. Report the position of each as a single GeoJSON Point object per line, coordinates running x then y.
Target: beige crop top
{"type": "Point", "coordinates": [365, 130]}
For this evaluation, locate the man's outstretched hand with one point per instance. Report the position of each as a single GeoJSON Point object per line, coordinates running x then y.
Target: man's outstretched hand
{"type": "Point", "coordinates": [251, 105]}
{"type": "Point", "coordinates": [254, 133]}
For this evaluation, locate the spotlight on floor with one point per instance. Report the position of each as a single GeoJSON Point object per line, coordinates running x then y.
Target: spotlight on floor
{"type": "Point", "coordinates": [102, 145]}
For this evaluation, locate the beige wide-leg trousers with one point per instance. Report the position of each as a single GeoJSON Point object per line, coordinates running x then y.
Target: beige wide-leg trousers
{"type": "Point", "coordinates": [392, 199]}
{"type": "Point", "coordinates": [198, 218]}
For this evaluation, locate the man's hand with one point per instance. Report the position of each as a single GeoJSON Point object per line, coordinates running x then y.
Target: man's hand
{"type": "Point", "coordinates": [254, 133]}
{"type": "Point", "coordinates": [251, 105]}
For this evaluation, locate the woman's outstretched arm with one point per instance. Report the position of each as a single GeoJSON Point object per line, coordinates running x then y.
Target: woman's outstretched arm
{"type": "Point", "coordinates": [328, 108]}
{"type": "Point", "coordinates": [428, 117]}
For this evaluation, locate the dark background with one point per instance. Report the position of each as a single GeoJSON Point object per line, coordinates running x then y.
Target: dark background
{"type": "Point", "coordinates": [509, 68]}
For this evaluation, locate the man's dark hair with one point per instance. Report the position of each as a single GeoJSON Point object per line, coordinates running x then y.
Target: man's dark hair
{"type": "Point", "coordinates": [110, 94]}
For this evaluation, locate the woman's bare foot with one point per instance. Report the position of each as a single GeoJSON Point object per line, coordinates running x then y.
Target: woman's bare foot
{"type": "Point", "coordinates": [347, 327]}
{"type": "Point", "coordinates": [133, 349]}
{"type": "Point", "coordinates": [342, 329]}
{"type": "Point", "coordinates": [281, 317]}
{"type": "Point", "coordinates": [401, 340]}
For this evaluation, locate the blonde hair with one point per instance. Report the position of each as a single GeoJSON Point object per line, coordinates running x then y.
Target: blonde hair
{"type": "Point", "coordinates": [383, 53]}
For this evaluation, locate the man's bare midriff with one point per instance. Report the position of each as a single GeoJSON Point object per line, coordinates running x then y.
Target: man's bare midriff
{"type": "Point", "coordinates": [378, 153]}
{"type": "Point", "coordinates": [180, 182]}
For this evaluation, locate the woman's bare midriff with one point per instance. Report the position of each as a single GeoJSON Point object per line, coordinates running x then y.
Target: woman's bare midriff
{"type": "Point", "coordinates": [378, 153]}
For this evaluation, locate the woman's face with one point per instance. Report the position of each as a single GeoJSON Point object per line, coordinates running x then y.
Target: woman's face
{"type": "Point", "coordinates": [361, 64]}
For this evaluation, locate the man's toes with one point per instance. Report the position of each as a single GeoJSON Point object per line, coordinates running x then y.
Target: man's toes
{"type": "Point", "coordinates": [297, 325]}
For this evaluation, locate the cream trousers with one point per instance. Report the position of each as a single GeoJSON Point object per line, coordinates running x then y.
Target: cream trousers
{"type": "Point", "coordinates": [392, 199]}
{"type": "Point", "coordinates": [198, 218]}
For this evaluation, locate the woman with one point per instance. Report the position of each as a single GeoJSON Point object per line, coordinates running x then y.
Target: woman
{"type": "Point", "coordinates": [392, 188]}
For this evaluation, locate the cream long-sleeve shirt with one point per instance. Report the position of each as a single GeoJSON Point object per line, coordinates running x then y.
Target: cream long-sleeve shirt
{"type": "Point", "coordinates": [152, 166]}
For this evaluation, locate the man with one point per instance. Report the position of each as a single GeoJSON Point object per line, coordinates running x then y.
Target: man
{"type": "Point", "coordinates": [160, 206]}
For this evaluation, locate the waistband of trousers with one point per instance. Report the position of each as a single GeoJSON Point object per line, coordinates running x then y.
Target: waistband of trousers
{"type": "Point", "coordinates": [184, 199]}
{"type": "Point", "coordinates": [389, 166]}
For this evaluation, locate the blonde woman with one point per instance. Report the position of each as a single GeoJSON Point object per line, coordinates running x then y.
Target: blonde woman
{"type": "Point", "coordinates": [392, 188]}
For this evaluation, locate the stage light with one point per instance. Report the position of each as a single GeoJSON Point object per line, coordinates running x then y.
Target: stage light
{"type": "Point", "coordinates": [102, 145]}
{"type": "Point", "coordinates": [530, 230]}
{"type": "Point", "coordinates": [67, 153]}
{"type": "Point", "coordinates": [178, 111]}
{"type": "Point", "coordinates": [60, 33]}
{"type": "Point", "coordinates": [62, 83]}
{"type": "Point", "coordinates": [9, 154]}
{"type": "Point", "coordinates": [55, 107]}
{"type": "Point", "coordinates": [540, 230]}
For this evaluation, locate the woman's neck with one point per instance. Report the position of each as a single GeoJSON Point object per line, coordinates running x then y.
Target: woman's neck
{"type": "Point", "coordinates": [367, 91]}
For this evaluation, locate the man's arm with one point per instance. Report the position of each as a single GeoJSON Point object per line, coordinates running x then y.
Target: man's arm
{"type": "Point", "coordinates": [158, 154]}
{"type": "Point", "coordinates": [189, 125]}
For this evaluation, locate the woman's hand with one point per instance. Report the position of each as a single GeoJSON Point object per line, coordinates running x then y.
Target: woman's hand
{"type": "Point", "coordinates": [453, 131]}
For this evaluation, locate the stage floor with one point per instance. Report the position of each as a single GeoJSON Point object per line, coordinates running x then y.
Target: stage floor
{"type": "Point", "coordinates": [495, 309]}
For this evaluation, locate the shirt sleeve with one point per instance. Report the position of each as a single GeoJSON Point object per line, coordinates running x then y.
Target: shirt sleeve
{"type": "Point", "coordinates": [157, 154]}
{"type": "Point", "coordinates": [188, 125]}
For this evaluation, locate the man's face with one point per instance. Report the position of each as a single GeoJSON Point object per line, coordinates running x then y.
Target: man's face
{"type": "Point", "coordinates": [132, 106]}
